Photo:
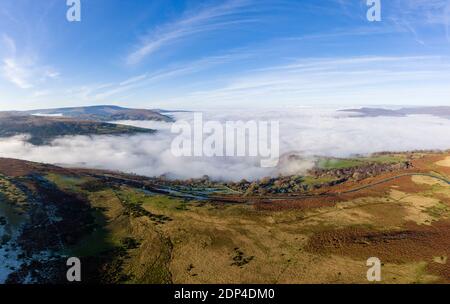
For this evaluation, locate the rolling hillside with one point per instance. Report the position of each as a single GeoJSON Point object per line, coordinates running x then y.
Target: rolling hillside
{"type": "Point", "coordinates": [103, 113]}
{"type": "Point", "coordinates": [131, 229]}
{"type": "Point", "coordinates": [442, 111]}
{"type": "Point", "coordinates": [44, 129]}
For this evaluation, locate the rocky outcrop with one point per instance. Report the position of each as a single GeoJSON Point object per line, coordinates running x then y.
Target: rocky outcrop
{"type": "Point", "coordinates": [360, 172]}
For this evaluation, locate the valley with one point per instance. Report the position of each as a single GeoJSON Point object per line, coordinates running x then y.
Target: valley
{"type": "Point", "coordinates": [224, 142]}
{"type": "Point", "coordinates": [132, 229]}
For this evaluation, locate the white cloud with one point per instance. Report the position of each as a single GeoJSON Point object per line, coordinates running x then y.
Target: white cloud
{"type": "Point", "coordinates": [306, 131]}
{"type": "Point", "coordinates": [193, 22]}
{"type": "Point", "coordinates": [23, 70]}
{"type": "Point", "coordinates": [414, 15]}
{"type": "Point", "coordinates": [103, 92]}
{"type": "Point", "coordinates": [353, 80]}
{"type": "Point", "coordinates": [347, 80]}
{"type": "Point", "coordinates": [16, 74]}
{"type": "Point", "coordinates": [41, 93]}
{"type": "Point", "coordinates": [133, 80]}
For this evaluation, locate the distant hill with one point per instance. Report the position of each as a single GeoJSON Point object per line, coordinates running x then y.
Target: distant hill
{"type": "Point", "coordinates": [442, 111]}
{"type": "Point", "coordinates": [44, 129]}
{"type": "Point", "coordinates": [103, 113]}
{"type": "Point", "coordinates": [171, 111]}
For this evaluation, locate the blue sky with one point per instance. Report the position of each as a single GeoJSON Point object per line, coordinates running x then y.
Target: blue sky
{"type": "Point", "coordinates": [236, 53]}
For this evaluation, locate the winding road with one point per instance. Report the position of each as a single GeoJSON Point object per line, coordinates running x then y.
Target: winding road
{"type": "Point", "coordinates": [194, 195]}
{"type": "Point", "coordinates": [328, 194]}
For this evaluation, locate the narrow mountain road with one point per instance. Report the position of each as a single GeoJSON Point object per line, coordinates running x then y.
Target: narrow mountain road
{"type": "Point", "coordinates": [177, 193]}
{"type": "Point", "coordinates": [329, 194]}
{"type": "Point", "coordinates": [385, 180]}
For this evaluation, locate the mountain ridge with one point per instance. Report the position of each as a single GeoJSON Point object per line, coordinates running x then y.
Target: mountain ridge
{"type": "Point", "coordinates": [42, 130]}
{"type": "Point", "coordinates": [439, 111]}
{"type": "Point", "coordinates": [103, 113]}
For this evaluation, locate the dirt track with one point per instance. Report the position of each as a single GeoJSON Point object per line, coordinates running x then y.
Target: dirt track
{"type": "Point", "coordinates": [327, 194]}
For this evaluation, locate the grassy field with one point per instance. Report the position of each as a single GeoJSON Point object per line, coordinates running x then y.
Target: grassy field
{"type": "Point", "coordinates": [338, 163]}
{"type": "Point", "coordinates": [184, 241]}
{"type": "Point", "coordinates": [138, 236]}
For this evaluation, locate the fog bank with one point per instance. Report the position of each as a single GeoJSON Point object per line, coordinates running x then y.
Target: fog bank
{"type": "Point", "coordinates": [308, 132]}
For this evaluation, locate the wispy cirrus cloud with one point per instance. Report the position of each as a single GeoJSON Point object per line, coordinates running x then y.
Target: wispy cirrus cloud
{"type": "Point", "coordinates": [405, 15]}
{"type": "Point", "coordinates": [349, 80]}
{"type": "Point", "coordinates": [16, 74]}
{"type": "Point", "coordinates": [11, 69]}
{"type": "Point", "coordinates": [101, 92]}
{"type": "Point", "coordinates": [193, 22]}
{"type": "Point", "coordinates": [23, 70]}
{"type": "Point", "coordinates": [339, 80]}
{"type": "Point", "coordinates": [305, 132]}
{"type": "Point", "coordinates": [414, 15]}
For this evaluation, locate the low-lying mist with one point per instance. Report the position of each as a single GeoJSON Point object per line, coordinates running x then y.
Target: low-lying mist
{"type": "Point", "coordinates": [308, 132]}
